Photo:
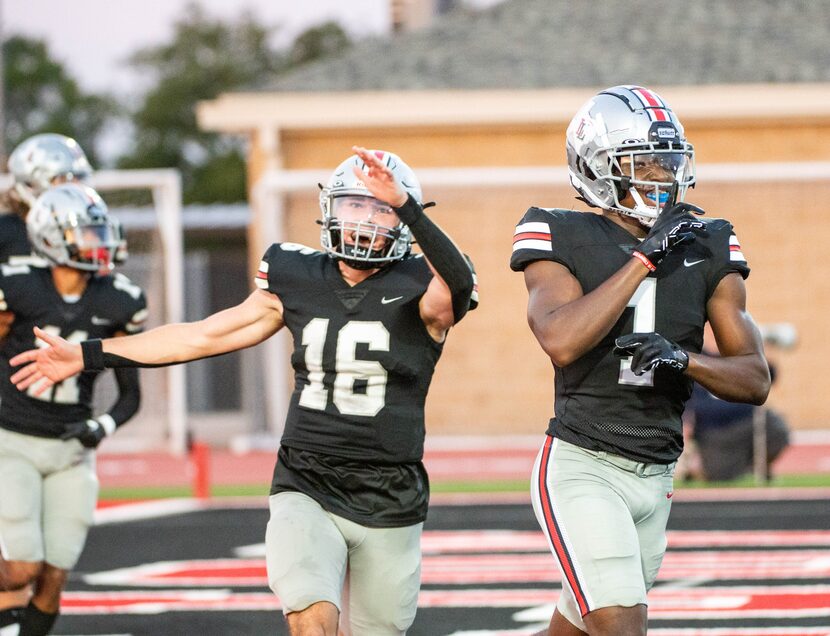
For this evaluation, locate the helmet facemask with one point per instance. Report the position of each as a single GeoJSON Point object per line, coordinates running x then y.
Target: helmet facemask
{"type": "Point", "coordinates": [357, 228]}
{"type": "Point", "coordinates": [362, 231]}
{"type": "Point", "coordinates": [92, 246]}
{"type": "Point", "coordinates": [650, 177]}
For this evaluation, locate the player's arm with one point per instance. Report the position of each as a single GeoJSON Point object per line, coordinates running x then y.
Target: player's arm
{"type": "Point", "coordinates": [741, 372]}
{"type": "Point", "coordinates": [448, 295]}
{"type": "Point", "coordinates": [568, 323]}
{"type": "Point", "coordinates": [445, 303]}
{"type": "Point", "coordinates": [244, 325]}
{"type": "Point", "coordinates": [92, 431]}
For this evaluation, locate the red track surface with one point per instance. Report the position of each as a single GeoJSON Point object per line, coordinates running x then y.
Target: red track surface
{"type": "Point", "coordinates": [476, 464]}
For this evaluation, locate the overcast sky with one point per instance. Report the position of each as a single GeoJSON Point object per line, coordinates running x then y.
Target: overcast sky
{"type": "Point", "coordinates": [93, 37]}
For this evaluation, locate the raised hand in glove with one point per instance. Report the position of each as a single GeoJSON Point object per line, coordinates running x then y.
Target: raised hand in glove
{"type": "Point", "coordinates": [675, 226]}
{"type": "Point", "coordinates": [649, 351]}
{"type": "Point", "coordinates": [89, 432]}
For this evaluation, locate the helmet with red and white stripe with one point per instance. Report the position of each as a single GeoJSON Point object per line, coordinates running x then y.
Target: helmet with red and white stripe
{"type": "Point", "coordinates": [626, 143]}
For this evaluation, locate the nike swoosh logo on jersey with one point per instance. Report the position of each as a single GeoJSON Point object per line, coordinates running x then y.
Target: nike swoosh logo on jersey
{"type": "Point", "coordinates": [101, 321]}
{"type": "Point", "coordinates": [689, 263]}
{"type": "Point", "coordinates": [669, 495]}
{"type": "Point", "coordinates": [386, 301]}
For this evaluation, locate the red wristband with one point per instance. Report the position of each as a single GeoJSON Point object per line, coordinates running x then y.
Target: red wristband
{"type": "Point", "coordinates": [644, 260]}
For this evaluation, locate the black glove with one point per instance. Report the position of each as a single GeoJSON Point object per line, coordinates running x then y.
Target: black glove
{"type": "Point", "coordinates": [675, 226]}
{"type": "Point", "coordinates": [649, 351]}
{"type": "Point", "coordinates": [89, 432]}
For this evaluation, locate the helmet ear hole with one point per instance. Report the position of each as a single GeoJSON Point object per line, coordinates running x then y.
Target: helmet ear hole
{"type": "Point", "coordinates": [586, 169]}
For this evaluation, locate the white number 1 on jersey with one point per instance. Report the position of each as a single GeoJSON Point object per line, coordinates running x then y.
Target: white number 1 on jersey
{"type": "Point", "coordinates": [66, 392]}
{"type": "Point", "coordinates": [644, 302]}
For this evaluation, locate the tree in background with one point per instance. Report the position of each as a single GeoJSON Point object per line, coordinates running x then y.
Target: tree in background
{"type": "Point", "coordinates": [206, 57]}
{"type": "Point", "coordinates": [325, 40]}
{"type": "Point", "coordinates": [40, 96]}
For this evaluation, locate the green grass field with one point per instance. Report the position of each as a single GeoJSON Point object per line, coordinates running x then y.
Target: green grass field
{"type": "Point", "coordinates": [520, 485]}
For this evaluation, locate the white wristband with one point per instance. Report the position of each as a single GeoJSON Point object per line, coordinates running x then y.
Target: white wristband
{"type": "Point", "coordinates": [107, 423]}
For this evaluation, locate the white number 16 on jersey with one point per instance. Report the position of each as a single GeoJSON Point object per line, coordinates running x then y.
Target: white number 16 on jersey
{"type": "Point", "coordinates": [350, 370]}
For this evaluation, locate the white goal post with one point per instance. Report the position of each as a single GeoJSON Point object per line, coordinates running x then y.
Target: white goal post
{"type": "Point", "coordinates": [166, 189]}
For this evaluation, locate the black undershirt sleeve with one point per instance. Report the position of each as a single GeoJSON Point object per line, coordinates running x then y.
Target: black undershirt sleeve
{"type": "Point", "coordinates": [444, 256]}
{"type": "Point", "coordinates": [129, 395]}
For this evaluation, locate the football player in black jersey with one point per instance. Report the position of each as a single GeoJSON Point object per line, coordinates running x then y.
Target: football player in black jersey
{"type": "Point", "coordinates": [618, 301]}
{"type": "Point", "coordinates": [48, 439]}
{"type": "Point", "coordinates": [36, 164]}
{"type": "Point", "coordinates": [368, 320]}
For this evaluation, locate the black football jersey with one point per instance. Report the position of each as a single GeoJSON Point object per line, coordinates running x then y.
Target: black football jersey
{"type": "Point", "coordinates": [14, 241]}
{"type": "Point", "coordinates": [110, 304]}
{"type": "Point", "coordinates": [363, 361]}
{"type": "Point", "coordinates": [600, 403]}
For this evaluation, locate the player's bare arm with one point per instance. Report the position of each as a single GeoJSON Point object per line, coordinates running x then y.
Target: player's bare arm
{"type": "Point", "coordinates": [741, 373]}
{"type": "Point", "coordinates": [568, 323]}
{"type": "Point", "coordinates": [244, 325]}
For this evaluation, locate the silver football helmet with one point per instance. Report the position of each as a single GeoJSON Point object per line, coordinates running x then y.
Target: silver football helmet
{"type": "Point", "coordinates": [69, 225]}
{"type": "Point", "coordinates": [344, 201]}
{"type": "Point", "coordinates": [40, 160]}
{"type": "Point", "coordinates": [627, 141]}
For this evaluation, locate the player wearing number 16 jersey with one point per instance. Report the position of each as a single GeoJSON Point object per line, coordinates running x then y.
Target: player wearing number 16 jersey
{"type": "Point", "coordinates": [47, 440]}
{"type": "Point", "coordinates": [368, 320]}
{"type": "Point", "coordinates": [618, 301]}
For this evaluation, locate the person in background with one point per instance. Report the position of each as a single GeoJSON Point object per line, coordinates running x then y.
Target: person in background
{"type": "Point", "coordinates": [36, 164]}
{"type": "Point", "coordinates": [368, 320]}
{"type": "Point", "coordinates": [48, 439]}
{"type": "Point", "coordinates": [721, 434]}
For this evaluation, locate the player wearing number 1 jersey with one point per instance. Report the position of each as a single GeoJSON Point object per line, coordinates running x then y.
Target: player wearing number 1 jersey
{"type": "Point", "coordinates": [618, 301]}
{"type": "Point", "coordinates": [368, 320]}
{"type": "Point", "coordinates": [47, 440]}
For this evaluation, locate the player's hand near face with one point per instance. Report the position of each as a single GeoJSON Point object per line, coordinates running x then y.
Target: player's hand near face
{"type": "Point", "coordinates": [674, 227]}
{"type": "Point", "coordinates": [48, 365]}
{"type": "Point", "coordinates": [379, 179]}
